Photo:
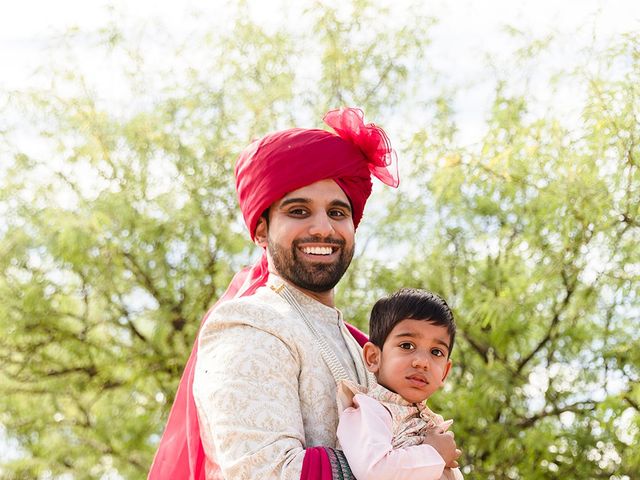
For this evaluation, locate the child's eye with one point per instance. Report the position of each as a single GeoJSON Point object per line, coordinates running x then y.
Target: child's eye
{"type": "Point", "coordinates": [437, 352]}
{"type": "Point", "coordinates": [407, 346]}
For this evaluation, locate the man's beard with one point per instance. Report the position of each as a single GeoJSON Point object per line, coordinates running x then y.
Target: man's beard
{"type": "Point", "coordinates": [315, 277]}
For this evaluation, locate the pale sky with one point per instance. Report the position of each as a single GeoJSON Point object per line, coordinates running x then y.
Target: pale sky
{"type": "Point", "coordinates": [467, 30]}
{"type": "Point", "coordinates": [466, 26]}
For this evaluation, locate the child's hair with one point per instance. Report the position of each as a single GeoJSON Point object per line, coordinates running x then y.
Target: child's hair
{"type": "Point", "coordinates": [412, 304]}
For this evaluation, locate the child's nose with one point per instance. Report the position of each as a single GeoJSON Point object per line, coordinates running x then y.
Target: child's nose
{"type": "Point", "coordinates": [421, 360]}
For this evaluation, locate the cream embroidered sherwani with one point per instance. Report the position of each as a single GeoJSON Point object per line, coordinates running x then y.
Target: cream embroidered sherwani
{"type": "Point", "coordinates": [262, 390]}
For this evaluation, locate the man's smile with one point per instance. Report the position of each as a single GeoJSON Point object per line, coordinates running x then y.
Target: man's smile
{"type": "Point", "coordinates": [311, 250]}
{"type": "Point", "coordinates": [319, 249]}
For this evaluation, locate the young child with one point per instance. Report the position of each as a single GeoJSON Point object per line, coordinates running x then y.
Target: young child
{"type": "Point", "coordinates": [382, 431]}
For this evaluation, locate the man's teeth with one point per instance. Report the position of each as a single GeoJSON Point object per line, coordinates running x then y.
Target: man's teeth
{"type": "Point", "coordinates": [318, 250]}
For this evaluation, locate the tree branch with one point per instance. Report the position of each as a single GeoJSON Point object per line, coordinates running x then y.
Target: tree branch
{"type": "Point", "coordinates": [579, 407]}
{"type": "Point", "coordinates": [555, 321]}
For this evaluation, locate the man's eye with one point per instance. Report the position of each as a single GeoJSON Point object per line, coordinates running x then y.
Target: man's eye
{"type": "Point", "coordinates": [337, 213]}
{"type": "Point", "coordinates": [407, 346]}
{"type": "Point", "coordinates": [297, 211]}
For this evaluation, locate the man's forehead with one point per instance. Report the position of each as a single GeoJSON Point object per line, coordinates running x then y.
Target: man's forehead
{"type": "Point", "coordinates": [322, 191]}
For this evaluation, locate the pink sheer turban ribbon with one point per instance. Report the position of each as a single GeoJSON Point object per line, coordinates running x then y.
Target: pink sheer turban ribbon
{"type": "Point", "coordinates": [285, 161]}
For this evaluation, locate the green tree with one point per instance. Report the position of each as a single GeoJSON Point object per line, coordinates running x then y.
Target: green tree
{"type": "Point", "coordinates": [532, 236]}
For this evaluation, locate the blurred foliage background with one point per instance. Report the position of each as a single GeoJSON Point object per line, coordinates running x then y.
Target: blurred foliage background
{"type": "Point", "coordinates": [120, 228]}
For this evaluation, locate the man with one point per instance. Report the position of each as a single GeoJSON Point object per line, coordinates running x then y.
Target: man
{"type": "Point", "coordinates": [269, 358]}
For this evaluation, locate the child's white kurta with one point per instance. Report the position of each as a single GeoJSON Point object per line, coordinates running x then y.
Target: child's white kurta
{"type": "Point", "coordinates": [381, 435]}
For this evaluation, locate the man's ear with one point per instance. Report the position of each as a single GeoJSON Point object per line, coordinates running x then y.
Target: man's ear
{"type": "Point", "coordinates": [372, 357]}
{"type": "Point", "coordinates": [260, 238]}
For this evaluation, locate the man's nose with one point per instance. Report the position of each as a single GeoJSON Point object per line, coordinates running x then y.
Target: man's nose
{"type": "Point", "coordinates": [321, 225]}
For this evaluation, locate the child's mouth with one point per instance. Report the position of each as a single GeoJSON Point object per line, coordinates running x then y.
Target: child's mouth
{"type": "Point", "coordinates": [418, 380]}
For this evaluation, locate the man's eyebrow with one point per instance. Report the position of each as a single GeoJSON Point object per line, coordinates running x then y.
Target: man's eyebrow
{"type": "Point", "coordinates": [291, 200]}
{"type": "Point", "coordinates": [340, 203]}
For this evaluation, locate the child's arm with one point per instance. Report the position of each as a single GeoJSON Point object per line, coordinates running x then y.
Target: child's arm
{"type": "Point", "coordinates": [365, 436]}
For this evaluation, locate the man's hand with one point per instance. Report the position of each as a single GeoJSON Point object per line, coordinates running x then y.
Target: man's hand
{"type": "Point", "coordinates": [445, 445]}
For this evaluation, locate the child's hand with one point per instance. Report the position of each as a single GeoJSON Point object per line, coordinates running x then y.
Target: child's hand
{"type": "Point", "coordinates": [445, 445]}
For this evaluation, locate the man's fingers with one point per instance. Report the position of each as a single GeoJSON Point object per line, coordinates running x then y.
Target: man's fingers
{"type": "Point", "coordinates": [454, 463]}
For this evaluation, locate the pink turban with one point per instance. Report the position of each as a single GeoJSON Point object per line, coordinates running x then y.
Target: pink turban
{"type": "Point", "coordinates": [284, 161]}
